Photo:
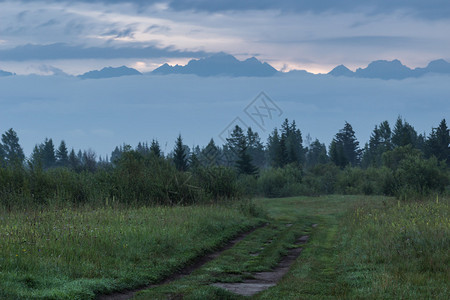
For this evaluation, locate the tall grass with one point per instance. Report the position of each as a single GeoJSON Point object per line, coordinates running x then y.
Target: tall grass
{"type": "Point", "coordinates": [67, 253]}
{"type": "Point", "coordinates": [400, 251]}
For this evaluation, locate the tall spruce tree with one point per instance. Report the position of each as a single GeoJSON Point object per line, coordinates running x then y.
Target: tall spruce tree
{"type": "Point", "coordinates": [62, 155]}
{"type": "Point", "coordinates": [379, 143]}
{"type": "Point", "coordinates": [276, 149]}
{"type": "Point", "coordinates": [438, 143]}
{"type": "Point", "coordinates": [143, 148]}
{"type": "Point", "coordinates": [11, 151]}
{"type": "Point", "coordinates": [155, 149]}
{"type": "Point", "coordinates": [294, 147]}
{"type": "Point", "coordinates": [317, 154]}
{"type": "Point", "coordinates": [48, 154]}
{"type": "Point", "coordinates": [344, 149]}
{"type": "Point", "coordinates": [404, 134]}
{"type": "Point", "coordinates": [238, 143]}
{"type": "Point", "coordinates": [180, 157]}
{"type": "Point", "coordinates": [210, 155]}
{"type": "Point", "coordinates": [255, 148]}
{"type": "Point", "coordinates": [74, 162]}
{"type": "Point", "coordinates": [287, 146]}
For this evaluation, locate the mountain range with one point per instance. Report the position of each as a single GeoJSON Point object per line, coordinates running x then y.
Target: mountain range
{"type": "Point", "coordinates": [5, 73]}
{"type": "Point", "coordinates": [222, 64]}
{"type": "Point", "coordinates": [394, 69]}
{"type": "Point", "coordinates": [110, 72]}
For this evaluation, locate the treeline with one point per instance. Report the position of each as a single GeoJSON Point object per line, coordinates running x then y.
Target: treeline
{"type": "Point", "coordinates": [396, 161]}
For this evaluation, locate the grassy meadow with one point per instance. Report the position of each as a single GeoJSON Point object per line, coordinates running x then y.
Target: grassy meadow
{"type": "Point", "coordinates": [364, 247]}
{"type": "Point", "coordinates": [77, 253]}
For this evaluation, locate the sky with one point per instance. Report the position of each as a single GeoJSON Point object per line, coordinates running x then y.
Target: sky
{"type": "Point", "coordinates": [54, 36]}
{"type": "Point", "coordinates": [60, 37]}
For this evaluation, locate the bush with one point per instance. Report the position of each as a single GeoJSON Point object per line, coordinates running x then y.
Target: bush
{"type": "Point", "coordinates": [217, 181]}
{"type": "Point", "coordinates": [417, 177]}
{"type": "Point", "coordinates": [321, 179]}
{"type": "Point", "coordinates": [281, 182]}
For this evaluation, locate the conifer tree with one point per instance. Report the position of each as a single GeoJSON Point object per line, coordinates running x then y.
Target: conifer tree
{"type": "Point", "coordinates": [11, 151]}
{"type": "Point", "coordinates": [74, 162]}
{"type": "Point", "coordinates": [255, 148]}
{"type": "Point", "coordinates": [155, 149]}
{"type": "Point", "coordinates": [180, 157]}
{"type": "Point", "coordinates": [35, 160]}
{"type": "Point", "coordinates": [404, 134]}
{"type": "Point", "coordinates": [62, 155]}
{"type": "Point", "coordinates": [238, 143]}
{"type": "Point", "coordinates": [344, 149]}
{"type": "Point", "coordinates": [210, 155]}
{"type": "Point", "coordinates": [276, 148]}
{"type": "Point", "coordinates": [317, 154]}
{"type": "Point", "coordinates": [48, 154]}
{"type": "Point", "coordinates": [438, 143]}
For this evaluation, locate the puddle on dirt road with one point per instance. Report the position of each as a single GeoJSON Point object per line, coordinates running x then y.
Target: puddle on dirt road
{"type": "Point", "coordinates": [264, 280]}
{"type": "Point", "coordinates": [128, 294]}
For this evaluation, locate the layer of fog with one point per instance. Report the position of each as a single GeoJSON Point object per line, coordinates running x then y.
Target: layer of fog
{"type": "Point", "coordinates": [101, 114]}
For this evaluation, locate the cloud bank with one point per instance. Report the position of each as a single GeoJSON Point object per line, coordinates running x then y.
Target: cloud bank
{"type": "Point", "coordinates": [289, 34]}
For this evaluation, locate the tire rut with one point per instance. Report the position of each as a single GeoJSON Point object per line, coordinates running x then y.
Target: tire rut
{"type": "Point", "coordinates": [187, 270]}
{"type": "Point", "coordinates": [264, 280]}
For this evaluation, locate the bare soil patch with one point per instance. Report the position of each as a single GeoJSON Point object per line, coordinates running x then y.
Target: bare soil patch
{"type": "Point", "coordinates": [264, 280]}
{"type": "Point", "coordinates": [199, 262]}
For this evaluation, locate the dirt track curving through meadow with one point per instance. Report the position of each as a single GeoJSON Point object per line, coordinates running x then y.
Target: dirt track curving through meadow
{"type": "Point", "coordinates": [260, 281]}
{"type": "Point", "coordinates": [264, 280]}
{"type": "Point", "coordinates": [199, 262]}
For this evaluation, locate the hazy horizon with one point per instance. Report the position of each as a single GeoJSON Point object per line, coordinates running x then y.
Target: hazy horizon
{"type": "Point", "coordinates": [104, 113]}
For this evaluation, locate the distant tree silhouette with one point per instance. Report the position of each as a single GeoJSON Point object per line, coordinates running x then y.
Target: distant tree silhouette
{"type": "Point", "coordinates": [238, 143]}
{"type": "Point", "coordinates": [438, 143]}
{"type": "Point", "coordinates": [379, 143]}
{"type": "Point", "coordinates": [317, 154]}
{"type": "Point", "coordinates": [286, 147]}
{"type": "Point", "coordinates": [344, 149]}
{"type": "Point", "coordinates": [74, 162]}
{"type": "Point", "coordinates": [403, 134]}
{"type": "Point", "coordinates": [62, 155]}
{"type": "Point", "coordinates": [255, 148]}
{"type": "Point", "coordinates": [180, 157]}
{"type": "Point", "coordinates": [276, 149]}
{"type": "Point", "coordinates": [48, 154]}
{"type": "Point", "coordinates": [11, 153]}
{"type": "Point", "coordinates": [155, 149]}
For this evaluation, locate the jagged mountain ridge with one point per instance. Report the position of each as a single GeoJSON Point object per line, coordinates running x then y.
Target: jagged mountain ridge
{"type": "Point", "coordinates": [220, 64]}
{"type": "Point", "coordinates": [394, 69]}
{"type": "Point", "coordinates": [110, 72]}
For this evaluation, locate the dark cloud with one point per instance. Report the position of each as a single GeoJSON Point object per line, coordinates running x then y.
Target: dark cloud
{"type": "Point", "coordinates": [368, 41]}
{"type": "Point", "coordinates": [430, 9]}
{"type": "Point", "coordinates": [129, 32]}
{"type": "Point", "coordinates": [64, 51]}
{"type": "Point", "coordinates": [157, 29]}
{"type": "Point", "coordinates": [49, 23]}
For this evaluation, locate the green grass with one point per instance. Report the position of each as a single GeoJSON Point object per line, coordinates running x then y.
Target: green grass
{"type": "Point", "coordinates": [363, 248]}
{"type": "Point", "coordinates": [399, 251]}
{"type": "Point", "coordinates": [237, 264]}
{"type": "Point", "coordinates": [349, 255]}
{"type": "Point", "coordinates": [68, 254]}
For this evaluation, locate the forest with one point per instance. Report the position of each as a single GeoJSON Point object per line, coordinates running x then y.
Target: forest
{"type": "Point", "coordinates": [397, 161]}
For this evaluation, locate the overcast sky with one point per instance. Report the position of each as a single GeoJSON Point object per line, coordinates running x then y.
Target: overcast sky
{"type": "Point", "coordinates": [77, 36]}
